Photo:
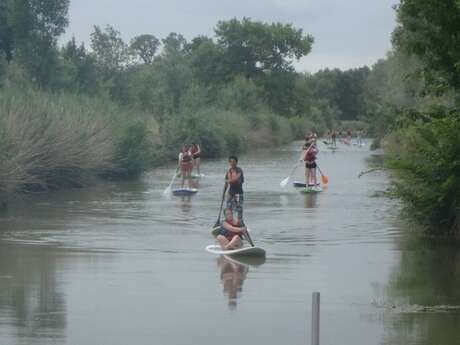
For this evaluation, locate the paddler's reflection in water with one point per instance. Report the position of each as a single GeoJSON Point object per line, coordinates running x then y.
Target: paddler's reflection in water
{"type": "Point", "coordinates": [311, 201]}
{"type": "Point", "coordinates": [232, 275]}
{"type": "Point", "coordinates": [185, 204]}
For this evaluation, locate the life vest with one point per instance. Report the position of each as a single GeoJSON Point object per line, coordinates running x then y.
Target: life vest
{"type": "Point", "coordinates": [186, 157]}
{"type": "Point", "coordinates": [310, 155]}
{"type": "Point", "coordinates": [194, 150]}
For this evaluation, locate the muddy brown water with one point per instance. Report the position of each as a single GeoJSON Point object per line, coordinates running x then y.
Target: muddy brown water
{"type": "Point", "coordinates": [121, 264]}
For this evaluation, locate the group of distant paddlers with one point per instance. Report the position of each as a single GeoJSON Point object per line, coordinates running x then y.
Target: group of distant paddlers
{"type": "Point", "coordinates": [231, 231]}
{"type": "Point", "coordinates": [344, 136]}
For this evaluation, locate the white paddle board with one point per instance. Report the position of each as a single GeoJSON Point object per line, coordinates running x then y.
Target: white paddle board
{"type": "Point", "coordinates": [245, 251]}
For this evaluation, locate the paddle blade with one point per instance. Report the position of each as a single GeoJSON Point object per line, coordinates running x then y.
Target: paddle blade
{"type": "Point", "coordinates": [324, 179]}
{"type": "Point", "coordinates": [167, 191]}
{"type": "Point", "coordinates": [284, 182]}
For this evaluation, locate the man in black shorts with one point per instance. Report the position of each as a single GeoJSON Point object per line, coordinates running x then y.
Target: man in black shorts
{"type": "Point", "coordinates": [235, 179]}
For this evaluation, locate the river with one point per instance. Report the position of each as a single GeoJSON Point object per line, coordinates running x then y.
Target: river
{"type": "Point", "coordinates": [121, 264]}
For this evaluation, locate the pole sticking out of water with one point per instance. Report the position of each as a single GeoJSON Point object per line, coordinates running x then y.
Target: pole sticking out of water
{"type": "Point", "coordinates": [315, 319]}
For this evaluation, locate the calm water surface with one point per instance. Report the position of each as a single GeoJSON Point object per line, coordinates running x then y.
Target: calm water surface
{"type": "Point", "coordinates": [121, 264]}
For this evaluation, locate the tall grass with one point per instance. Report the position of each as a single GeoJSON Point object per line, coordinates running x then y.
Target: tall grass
{"type": "Point", "coordinates": [47, 141]}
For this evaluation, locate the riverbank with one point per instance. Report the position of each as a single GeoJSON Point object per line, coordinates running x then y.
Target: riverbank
{"type": "Point", "coordinates": [52, 141]}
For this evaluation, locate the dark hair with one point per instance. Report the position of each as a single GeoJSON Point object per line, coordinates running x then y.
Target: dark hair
{"type": "Point", "coordinates": [233, 157]}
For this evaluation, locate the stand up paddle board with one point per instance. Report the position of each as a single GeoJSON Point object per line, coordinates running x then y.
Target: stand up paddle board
{"type": "Point", "coordinates": [193, 176]}
{"type": "Point", "coordinates": [184, 191]}
{"type": "Point", "coordinates": [299, 184]}
{"type": "Point", "coordinates": [311, 190]}
{"type": "Point", "coordinates": [245, 251]}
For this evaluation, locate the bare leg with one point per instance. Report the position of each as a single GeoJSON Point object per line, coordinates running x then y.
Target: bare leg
{"type": "Point", "coordinates": [222, 241]}
{"type": "Point", "coordinates": [183, 179]}
{"type": "Point", "coordinates": [198, 161]}
{"type": "Point", "coordinates": [189, 179]}
{"type": "Point", "coordinates": [235, 243]}
{"type": "Point", "coordinates": [313, 172]}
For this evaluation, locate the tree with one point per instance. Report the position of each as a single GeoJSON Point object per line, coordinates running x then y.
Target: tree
{"type": "Point", "coordinates": [110, 51]}
{"type": "Point", "coordinates": [207, 61]}
{"type": "Point", "coordinates": [252, 47]}
{"type": "Point", "coordinates": [82, 66]}
{"type": "Point", "coordinates": [429, 29]}
{"type": "Point", "coordinates": [145, 47]}
{"type": "Point", "coordinates": [29, 30]}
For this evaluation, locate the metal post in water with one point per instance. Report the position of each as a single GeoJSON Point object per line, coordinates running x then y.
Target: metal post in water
{"type": "Point", "coordinates": [315, 319]}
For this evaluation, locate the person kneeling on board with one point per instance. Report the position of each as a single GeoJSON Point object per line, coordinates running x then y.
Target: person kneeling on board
{"type": "Point", "coordinates": [230, 233]}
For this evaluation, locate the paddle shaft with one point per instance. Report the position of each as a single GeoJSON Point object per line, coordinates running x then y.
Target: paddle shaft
{"type": "Point", "coordinates": [221, 205]}
{"type": "Point", "coordinates": [249, 238]}
{"type": "Point", "coordinates": [172, 180]}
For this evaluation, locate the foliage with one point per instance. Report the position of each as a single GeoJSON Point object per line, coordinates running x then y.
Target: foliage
{"type": "Point", "coordinates": [110, 51]}
{"type": "Point", "coordinates": [29, 32]}
{"type": "Point", "coordinates": [145, 47]}
{"type": "Point", "coordinates": [426, 156]}
{"type": "Point", "coordinates": [429, 29]}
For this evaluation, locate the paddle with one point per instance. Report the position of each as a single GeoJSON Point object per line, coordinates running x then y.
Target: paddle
{"type": "Point", "coordinates": [286, 180]}
{"type": "Point", "coordinates": [168, 189]}
{"type": "Point", "coordinates": [221, 206]}
{"type": "Point", "coordinates": [324, 178]}
{"type": "Point", "coordinates": [249, 238]}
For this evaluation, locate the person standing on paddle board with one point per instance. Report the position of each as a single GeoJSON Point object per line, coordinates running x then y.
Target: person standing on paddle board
{"type": "Point", "coordinates": [334, 137]}
{"type": "Point", "coordinates": [186, 165]}
{"type": "Point", "coordinates": [235, 179]}
{"type": "Point", "coordinates": [309, 157]}
{"type": "Point", "coordinates": [196, 153]}
{"type": "Point", "coordinates": [230, 234]}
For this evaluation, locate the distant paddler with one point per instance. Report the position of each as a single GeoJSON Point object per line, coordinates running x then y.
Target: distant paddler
{"type": "Point", "coordinates": [309, 157]}
{"type": "Point", "coordinates": [185, 164]}
{"type": "Point", "coordinates": [334, 138]}
{"type": "Point", "coordinates": [196, 154]}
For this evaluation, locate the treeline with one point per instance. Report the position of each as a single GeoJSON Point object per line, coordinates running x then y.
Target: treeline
{"type": "Point", "coordinates": [69, 113]}
{"type": "Point", "coordinates": [414, 106]}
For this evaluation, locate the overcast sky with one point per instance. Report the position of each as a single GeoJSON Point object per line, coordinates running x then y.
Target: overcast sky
{"type": "Point", "coordinates": [348, 33]}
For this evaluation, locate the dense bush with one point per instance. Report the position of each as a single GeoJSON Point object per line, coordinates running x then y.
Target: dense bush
{"type": "Point", "coordinates": [426, 158]}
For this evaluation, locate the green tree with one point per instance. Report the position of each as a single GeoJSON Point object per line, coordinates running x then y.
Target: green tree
{"type": "Point", "coordinates": [29, 31]}
{"type": "Point", "coordinates": [144, 47]}
{"type": "Point", "coordinates": [429, 29]}
{"type": "Point", "coordinates": [81, 66]}
{"type": "Point", "coordinates": [252, 47]}
{"type": "Point", "coordinates": [110, 51]}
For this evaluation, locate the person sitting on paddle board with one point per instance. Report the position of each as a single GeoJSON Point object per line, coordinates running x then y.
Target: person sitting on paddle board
{"type": "Point", "coordinates": [186, 165]}
{"type": "Point", "coordinates": [230, 233]}
{"type": "Point", "coordinates": [235, 179]}
{"type": "Point", "coordinates": [196, 153]}
{"type": "Point", "coordinates": [309, 157]}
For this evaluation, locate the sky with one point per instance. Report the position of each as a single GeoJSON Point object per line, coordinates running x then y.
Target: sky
{"type": "Point", "coordinates": [347, 33]}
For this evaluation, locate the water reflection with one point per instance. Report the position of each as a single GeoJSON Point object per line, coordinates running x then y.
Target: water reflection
{"type": "Point", "coordinates": [424, 294]}
{"type": "Point", "coordinates": [311, 201]}
{"type": "Point", "coordinates": [233, 273]}
{"type": "Point", "coordinates": [31, 298]}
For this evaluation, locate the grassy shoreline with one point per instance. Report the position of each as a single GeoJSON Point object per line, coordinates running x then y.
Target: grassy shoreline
{"type": "Point", "coordinates": [60, 141]}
